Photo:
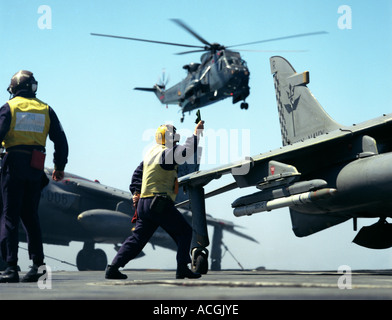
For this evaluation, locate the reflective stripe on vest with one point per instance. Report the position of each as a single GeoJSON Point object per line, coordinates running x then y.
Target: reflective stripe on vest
{"type": "Point", "coordinates": [155, 178]}
{"type": "Point", "coordinates": [30, 122]}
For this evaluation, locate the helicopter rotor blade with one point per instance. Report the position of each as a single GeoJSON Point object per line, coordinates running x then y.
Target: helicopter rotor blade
{"type": "Point", "coordinates": [192, 51]}
{"type": "Point", "coordinates": [271, 51]}
{"type": "Point", "coordinates": [187, 28]}
{"type": "Point", "coordinates": [280, 38]}
{"type": "Point", "coordinates": [145, 40]}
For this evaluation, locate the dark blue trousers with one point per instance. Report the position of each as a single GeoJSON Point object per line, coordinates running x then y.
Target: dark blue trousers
{"type": "Point", "coordinates": [20, 191]}
{"type": "Point", "coordinates": [171, 220]}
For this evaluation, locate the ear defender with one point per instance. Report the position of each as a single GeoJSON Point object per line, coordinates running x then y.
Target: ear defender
{"type": "Point", "coordinates": [160, 135]}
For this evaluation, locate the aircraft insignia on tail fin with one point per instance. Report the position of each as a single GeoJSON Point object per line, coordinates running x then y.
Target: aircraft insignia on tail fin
{"type": "Point", "coordinates": [300, 115]}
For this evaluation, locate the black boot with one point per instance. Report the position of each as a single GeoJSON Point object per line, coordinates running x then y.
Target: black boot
{"type": "Point", "coordinates": [112, 272]}
{"type": "Point", "coordinates": [184, 272]}
{"type": "Point", "coordinates": [33, 275]}
{"type": "Point", "coordinates": [10, 275]}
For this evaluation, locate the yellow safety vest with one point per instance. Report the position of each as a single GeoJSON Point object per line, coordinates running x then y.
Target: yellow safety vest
{"type": "Point", "coordinates": [30, 122]}
{"type": "Point", "coordinates": [155, 178]}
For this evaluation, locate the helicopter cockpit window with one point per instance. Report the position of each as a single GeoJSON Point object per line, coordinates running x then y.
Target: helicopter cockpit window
{"type": "Point", "coordinates": [236, 62]}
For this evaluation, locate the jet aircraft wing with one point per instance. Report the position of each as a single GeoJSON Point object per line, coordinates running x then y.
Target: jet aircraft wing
{"type": "Point", "coordinates": [326, 173]}
{"type": "Point", "coordinates": [254, 170]}
{"type": "Point", "coordinates": [95, 188]}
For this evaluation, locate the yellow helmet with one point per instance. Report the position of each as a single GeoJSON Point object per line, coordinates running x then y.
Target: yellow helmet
{"type": "Point", "coordinates": [166, 133]}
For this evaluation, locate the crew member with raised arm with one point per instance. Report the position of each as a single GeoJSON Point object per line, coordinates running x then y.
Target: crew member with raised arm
{"type": "Point", "coordinates": [154, 187]}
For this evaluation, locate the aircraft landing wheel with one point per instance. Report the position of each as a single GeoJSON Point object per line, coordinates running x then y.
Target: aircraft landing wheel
{"type": "Point", "coordinates": [201, 265]}
{"type": "Point", "coordinates": [91, 260]}
{"type": "Point", "coordinates": [200, 260]}
{"type": "Point", "coordinates": [244, 106]}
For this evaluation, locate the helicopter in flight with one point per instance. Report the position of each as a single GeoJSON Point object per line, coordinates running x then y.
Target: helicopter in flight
{"type": "Point", "coordinates": [221, 73]}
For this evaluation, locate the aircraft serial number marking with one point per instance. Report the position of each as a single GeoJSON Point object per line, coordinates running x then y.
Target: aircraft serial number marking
{"type": "Point", "coordinates": [55, 197]}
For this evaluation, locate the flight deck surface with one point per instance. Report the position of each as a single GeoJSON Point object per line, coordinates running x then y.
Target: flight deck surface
{"type": "Point", "coordinates": [216, 285]}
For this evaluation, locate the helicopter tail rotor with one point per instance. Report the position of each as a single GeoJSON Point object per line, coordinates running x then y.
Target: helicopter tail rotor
{"type": "Point", "coordinates": [163, 80]}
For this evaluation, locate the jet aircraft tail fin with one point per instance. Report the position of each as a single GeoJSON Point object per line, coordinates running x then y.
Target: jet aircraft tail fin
{"type": "Point", "coordinates": [300, 115]}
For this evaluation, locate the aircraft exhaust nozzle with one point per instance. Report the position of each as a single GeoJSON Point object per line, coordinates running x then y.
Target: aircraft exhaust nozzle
{"type": "Point", "coordinates": [294, 200]}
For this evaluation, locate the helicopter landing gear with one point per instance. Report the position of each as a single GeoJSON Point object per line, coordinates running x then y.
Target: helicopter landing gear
{"type": "Point", "coordinates": [244, 106]}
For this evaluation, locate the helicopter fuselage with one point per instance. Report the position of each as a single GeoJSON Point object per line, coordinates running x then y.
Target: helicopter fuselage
{"type": "Point", "coordinates": [220, 75]}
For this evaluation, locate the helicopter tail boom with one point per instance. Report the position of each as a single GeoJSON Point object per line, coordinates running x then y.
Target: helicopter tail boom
{"type": "Point", "coordinates": [146, 89]}
{"type": "Point", "coordinates": [157, 89]}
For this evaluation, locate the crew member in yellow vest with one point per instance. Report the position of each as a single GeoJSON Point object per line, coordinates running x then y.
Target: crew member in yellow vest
{"type": "Point", "coordinates": [25, 123]}
{"type": "Point", "coordinates": [154, 187]}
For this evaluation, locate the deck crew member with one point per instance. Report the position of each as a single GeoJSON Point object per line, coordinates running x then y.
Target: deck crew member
{"type": "Point", "coordinates": [25, 123]}
{"type": "Point", "coordinates": [154, 187]}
